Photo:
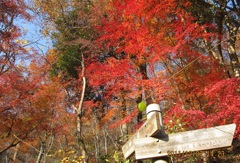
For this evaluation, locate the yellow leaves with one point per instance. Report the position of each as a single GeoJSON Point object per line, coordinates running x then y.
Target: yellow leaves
{"type": "Point", "coordinates": [46, 32]}
{"type": "Point", "coordinates": [64, 160]}
{"type": "Point", "coordinates": [70, 152]}
{"type": "Point", "coordinates": [67, 156]}
{"type": "Point", "coordinates": [52, 11]}
{"type": "Point", "coordinates": [22, 42]}
{"type": "Point", "coordinates": [77, 159]}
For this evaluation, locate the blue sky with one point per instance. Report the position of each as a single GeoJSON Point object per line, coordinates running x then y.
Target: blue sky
{"type": "Point", "coordinates": [33, 35]}
{"type": "Point", "coordinates": [35, 39]}
{"type": "Point", "coordinates": [32, 31]}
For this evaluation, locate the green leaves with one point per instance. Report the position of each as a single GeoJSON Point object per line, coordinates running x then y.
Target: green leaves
{"type": "Point", "coordinates": [142, 106]}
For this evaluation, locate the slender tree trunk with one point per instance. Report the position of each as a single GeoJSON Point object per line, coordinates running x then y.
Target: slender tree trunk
{"type": "Point", "coordinates": [6, 158]}
{"type": "Point", "coordinates": [234, 61]}
{"type": "Point", "coordinates": [41, 152]}
{"type": "Point", "coordinates": [112, 140]}
{"type": "Point", "coordinates": [79, 112]}
{"type": "Point", "coordinates": [123, 110]}
{"type": "Point", "coordinates": [49, 146]}
{"type": "Point", "coordinates": [96, 139]}
{"type": "Point", "coordinates": [233, 55]}
{"type": "Point", "coordinates": [105, 141]}
{"type": "Point", "coordinates": [16, 152]}
{"type": "Point", "coordinates": [96, 150]}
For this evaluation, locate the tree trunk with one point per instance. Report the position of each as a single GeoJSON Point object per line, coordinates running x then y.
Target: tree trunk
{"type": "Point", "coordinates": [79, 111]}
{"type": "Point", "coordinates": [123, 110]}
{"type": "Point", "coordinates": [41, 152]}
{"type": "Point", "coordinates": [233, 56]}
{"type": "Point", "coordinates": [233, 30]}
{"type": "Point", "coordinates": [16, 152]}
{"type": "Point", "coordinates": [105, 141]}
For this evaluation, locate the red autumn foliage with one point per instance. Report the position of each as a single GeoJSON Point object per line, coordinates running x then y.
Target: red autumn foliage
{"type": "Point", "coordinates": [224, 101]}
{"type": "Point", "coordinates": [162, 33]}
{"type": "Point", "coordinates": [9, 32]}
{"type": "Point", "coordinates": [28, 106]}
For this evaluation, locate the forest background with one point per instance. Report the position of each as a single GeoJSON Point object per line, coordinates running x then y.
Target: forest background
{"type": "Point", "coordinates": [77, 101]}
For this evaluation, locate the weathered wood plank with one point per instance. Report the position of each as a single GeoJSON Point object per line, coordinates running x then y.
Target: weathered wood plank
{"type": "Point", "coordinates": [196, 140]}
{"type": "Point", "coordinates": [150, 128]}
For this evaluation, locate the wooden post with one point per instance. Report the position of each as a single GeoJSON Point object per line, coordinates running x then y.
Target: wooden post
{"type": "Point", "coordinates": [151, 109]}
{"type": "Point", "coordinates": [150, 128]}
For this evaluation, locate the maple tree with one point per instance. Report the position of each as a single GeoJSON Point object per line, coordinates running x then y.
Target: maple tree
{"type": "Point", "coordinates": [170, 54]}
{"type": "Point", "coordinates": [25, 99]}
{"type": "Point", "coordinates": [29, 114]}
{"type": "Point", "coordinates": [162, 57]}
{"type": "Point", "coordinates": [10, 49]}
{"type": "Point", "coordinates": [176, 33]}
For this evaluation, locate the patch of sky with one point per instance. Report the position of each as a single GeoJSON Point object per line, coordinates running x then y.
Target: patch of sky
{"type": "Point", "coordinates": [32, 35]}
{"type": "Point", "coordinates": [32, 40]}
{"type": "Point", "coordinates": [153, 70]}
